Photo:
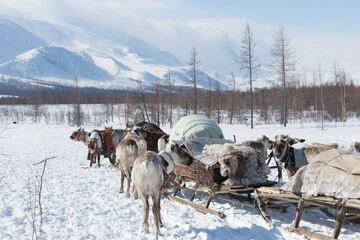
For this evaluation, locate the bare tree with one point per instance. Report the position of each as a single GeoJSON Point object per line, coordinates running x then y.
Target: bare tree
{"type": "Point", "coordinates": [248, 64]}
{"type": "Point", "coordinates": [233, 97]}
{"type": "Point", "coordinates": [343, 81]}
{"type": "Point", "coordinates": [322, 102]}
{"type": "Point", "coordinates": [141, 100]}
{"type": "Point", "coordinates": [194, 64]}
{"type": "Point", "coordinates": [170, 85]}
{"type": "Point", "coordinates": [158, 101]}
{"type": "Point", "coordinates": [77, 113]}
{"type": "Point", "coordinates": [35, 202]}
{"type": "Point", "coordinates": [209, 99]}
{"type": "Point", "coordinates": [218, 102]}
{"type": "Point", "coordinates": [283, 65]}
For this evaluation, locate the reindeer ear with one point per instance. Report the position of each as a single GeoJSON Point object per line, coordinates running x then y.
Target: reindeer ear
{"type": "Point", "coordinates": [302, 140]}
{"type": "Point", "coordinates": [290, 141]}
{"type": "Point", "coordinates": [226, 160]}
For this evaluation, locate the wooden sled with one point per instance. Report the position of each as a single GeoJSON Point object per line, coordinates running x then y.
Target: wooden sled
{"type": "Point", "coordinates": [209, 178]}
{"type": "Point", "coordinates": [345, 209]}
{"type": "Point", "coordinates": [238, 194]}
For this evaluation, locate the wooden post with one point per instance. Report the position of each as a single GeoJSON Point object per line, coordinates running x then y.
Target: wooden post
{"type": "Point", "coordinates": [177, 189]}
{"type": "Point", "coordinates": [340, 218]}
{"type": "Point", "coordinates": [209, 199]}
{"type": "Point", "coordinates": [195, 206]}
{"type": "Point", "coordinates": [299, 210]}
{"type": "Point", "coordinates": [234, 138]}
{"type": "Point", "coordinates": [194, 192]}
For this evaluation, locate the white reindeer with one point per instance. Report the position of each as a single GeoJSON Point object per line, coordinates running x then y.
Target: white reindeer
{"type": "Point", "coordinates": [149, 173]}
{"type": "Point", "coordinates": [127, 151]}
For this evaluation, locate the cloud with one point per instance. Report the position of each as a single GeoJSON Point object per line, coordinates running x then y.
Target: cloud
{"type": "Point", "coordinates": [216, 38]}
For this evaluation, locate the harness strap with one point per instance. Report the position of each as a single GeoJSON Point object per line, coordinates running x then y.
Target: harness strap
{"type": "Point", "coordinates": [290, 160]}
{"type": "Point", "coordinates": [269, 157]}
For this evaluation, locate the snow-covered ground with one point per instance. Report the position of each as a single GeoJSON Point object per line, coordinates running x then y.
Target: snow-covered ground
{"type": "Point", "coordinates": [80, 202]}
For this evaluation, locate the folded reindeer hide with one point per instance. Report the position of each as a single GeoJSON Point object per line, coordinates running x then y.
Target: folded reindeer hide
{"type": "Point", "coordinates": [331, 173]}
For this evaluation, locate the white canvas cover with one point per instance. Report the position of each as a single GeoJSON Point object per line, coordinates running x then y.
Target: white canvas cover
{"type": "Point", "coordinates": [195, 126]}
{"type": "Point", "coordinates": [331, 173]}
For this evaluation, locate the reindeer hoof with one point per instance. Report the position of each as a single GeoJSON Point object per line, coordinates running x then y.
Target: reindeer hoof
{"type": "Point", "coordinates": [127, 195]}
{"type": "Point", "coordinates": [121, 191]}
{"type": "Point", "coordinates": [145, 229]}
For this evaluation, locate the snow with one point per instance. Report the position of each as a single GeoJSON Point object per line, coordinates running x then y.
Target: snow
{"type": "Point", "coordinates": [80, 202]}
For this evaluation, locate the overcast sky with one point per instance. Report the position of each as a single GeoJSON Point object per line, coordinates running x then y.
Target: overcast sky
{"type": "Point", "coordinates": [320, 30]}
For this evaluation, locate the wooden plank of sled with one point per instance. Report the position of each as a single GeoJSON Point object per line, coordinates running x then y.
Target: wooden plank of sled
{"type": "Point", "coordinates": [244, 190]}
{"type": "Point", "coordinates": [299, 211]}
{"type": "Point", "coordinates": [224, 187]}
{"type": "Point", "coordinates": [269, 190]}
{"type": "Point", "coordinates": [261, 205]}
{"type": "Point", "coordinates": [353, 205]}
{"type": "Point", "coordinates": [195, 206]}
{"type": "Point", "coordinates": [307, 234]}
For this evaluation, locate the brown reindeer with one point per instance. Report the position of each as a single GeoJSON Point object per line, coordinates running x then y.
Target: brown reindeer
{"type": "Point", "coordinates": [148, 175]}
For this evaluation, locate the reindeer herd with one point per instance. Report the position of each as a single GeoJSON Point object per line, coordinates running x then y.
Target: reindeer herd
{"type": "Point", "coordinates": [144, 156]}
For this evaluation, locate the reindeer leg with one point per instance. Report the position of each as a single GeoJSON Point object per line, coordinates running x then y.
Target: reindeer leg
{"type": "Point", "coordinates": [128, 178]}
{"type": "Point", "coordinates": [145, 226]}
{"type": "Point", "coordinates": [135, 194]}
{"type": "Point", "coordinates": [99, 155]}
{"type": "Point", "coordinates": [121, 190]}
{"type": "Point", "coordinates": [156, 213]}
{"type": "Point", "coordinates": [280, 179]}
{"type": "Point", "coordinates": [91, 159]}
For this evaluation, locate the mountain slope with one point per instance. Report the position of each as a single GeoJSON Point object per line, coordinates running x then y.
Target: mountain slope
{"type": "Point", "coordinates": [15, 40]}
{"type": "Point", "coordinates": [93, 59]}
{"type": "Point", "coordinates": [55, 62]}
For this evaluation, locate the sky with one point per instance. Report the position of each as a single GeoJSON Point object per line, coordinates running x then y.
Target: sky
{"type": "Point", "coordinates": [320, 31]}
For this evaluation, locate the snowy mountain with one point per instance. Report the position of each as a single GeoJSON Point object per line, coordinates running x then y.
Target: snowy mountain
{"type": "Point", "coordinates": [55, 62]}
{"type": "Point", "coordinates": [59, 54]}
{"type": "Point", "coordinates": [15, 40]}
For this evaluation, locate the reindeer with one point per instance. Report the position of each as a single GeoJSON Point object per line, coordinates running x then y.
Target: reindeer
{"type": "Point", "coordinates": [150, 132]}
{"type": "Point", "coordinates": [260, 145]}
{"type": "Point", "coordinates": [104, 143]}
{"type": "Point", "coordinates": [149, 173]}
{"type": "Point", "coordinates": [127, 151]}
{"type": "Point", "coordinates": [82, 136]}
{"type": "Point", "coordinates": [241, 164]}
{"type": "Point", "coordinates": [163, 140]}
{"type": "Point", "coordinates": [292, 153]}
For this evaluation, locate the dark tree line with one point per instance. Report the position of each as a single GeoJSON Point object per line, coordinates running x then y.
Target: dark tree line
{"type": "Point", "coordinates": [161, 106]}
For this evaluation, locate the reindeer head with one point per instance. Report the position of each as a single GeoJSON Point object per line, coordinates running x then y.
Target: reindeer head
{"type": "Point", "coordinates": [228, 165]}
{"type": "Point", "coordinates": [281, 146]}
{"type": "Point", "coordinates": [139, 131]}
{"type": "Point", "coordinates": [94, 142]}
{"type": "Point", "coordinates": [75, 135]}
{"type": "Point", "coordinates": [178, 155]}
{"type": "Point", "coordinates": [268, 143]}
